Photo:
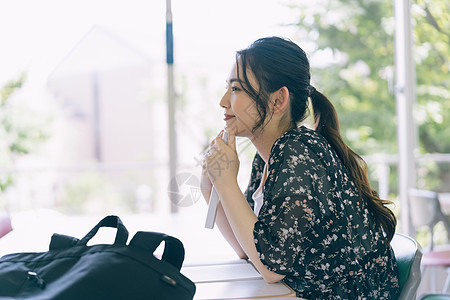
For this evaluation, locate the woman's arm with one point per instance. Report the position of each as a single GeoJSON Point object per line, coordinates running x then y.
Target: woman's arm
{"type": "Point", "coordinates": [221, 219]}
{"type": "Point", "coordinates": [223, 165]}
{"type": "Point", "coordinates": [227, 232]}
{"type": "Point", "coordinates": [242, 220]}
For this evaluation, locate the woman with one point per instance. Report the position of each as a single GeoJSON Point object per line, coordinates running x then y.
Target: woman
{"type": "Point", "coordinates": [309, 216]}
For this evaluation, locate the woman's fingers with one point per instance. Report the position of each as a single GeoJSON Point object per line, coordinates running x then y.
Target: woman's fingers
{"type": "Point", "coordinates": [232, 139]}
{"type": "Point", "coordinates": [205, 182]}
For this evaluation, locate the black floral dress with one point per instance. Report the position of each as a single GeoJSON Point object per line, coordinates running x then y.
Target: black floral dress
{"type": "Point", "coordinates": [314, 227]}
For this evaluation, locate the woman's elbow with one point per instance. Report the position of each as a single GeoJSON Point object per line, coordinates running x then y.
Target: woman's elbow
{"type": "Point", "coordinates": [272, 277]}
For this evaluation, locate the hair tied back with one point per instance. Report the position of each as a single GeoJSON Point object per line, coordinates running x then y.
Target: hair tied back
{"type": "Point", "coordinates": [311, 90]}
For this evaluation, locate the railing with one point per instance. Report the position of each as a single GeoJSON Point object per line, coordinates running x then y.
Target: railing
{"type": "Point", "coordinates": [383, 162]}
{"type": "Point", "coordinates": [381, 166]}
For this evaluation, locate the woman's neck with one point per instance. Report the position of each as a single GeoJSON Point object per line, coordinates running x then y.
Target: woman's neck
{"type": "Point", "coordinates": [264, 140]}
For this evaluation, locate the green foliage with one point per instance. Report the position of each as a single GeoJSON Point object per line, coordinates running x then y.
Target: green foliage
{"type": "Point", "coordinates": [10, 87]}
{"type": "Point", "coordinates": [432, 35]}
{"type": "Point", "coordinates": [359, 35]}
{"type": "Point", "coordinates": [20, 129]}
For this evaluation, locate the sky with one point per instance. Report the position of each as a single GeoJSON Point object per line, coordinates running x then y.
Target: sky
{"type": "Point", "coordinates": [36, 35]}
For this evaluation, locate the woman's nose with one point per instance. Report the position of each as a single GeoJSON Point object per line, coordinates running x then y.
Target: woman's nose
{"type": "Point", "coordinates": [225, 101]}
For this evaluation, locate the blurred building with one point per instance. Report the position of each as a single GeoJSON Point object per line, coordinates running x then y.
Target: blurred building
{"type": "Point", "coordinates": [108, 149]}
{"type": "Point", "coordinates": [112, 97]}
{"type": "Point", "coordinates": [113, 114]}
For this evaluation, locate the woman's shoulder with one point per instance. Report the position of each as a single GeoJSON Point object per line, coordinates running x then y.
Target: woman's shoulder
{"type": "Point", "coordinates": [300, 140]}
{"type": "Point", "coordinates": [301, 135]}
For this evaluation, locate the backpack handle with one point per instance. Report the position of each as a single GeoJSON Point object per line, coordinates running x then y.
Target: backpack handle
{"type": "Point", "coordinates": [173, 250]}
{"type": "Point", "coordinates": [109, 221]}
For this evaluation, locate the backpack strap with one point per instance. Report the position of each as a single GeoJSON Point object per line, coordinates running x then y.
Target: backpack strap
{"type": "Point", "coordinates": [61, 241]}
{"type": "Point", "coordinates": [173, 250]}
{"type": "Point", "coordinates": [109, 221]}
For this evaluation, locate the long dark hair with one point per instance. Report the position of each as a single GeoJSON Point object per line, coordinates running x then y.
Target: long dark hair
{"type": "Point", "coordinates": [277, 62]}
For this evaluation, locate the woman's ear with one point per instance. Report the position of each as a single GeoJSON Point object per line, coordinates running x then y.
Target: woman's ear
{"type": "Point", "coordinates": [281, 100]}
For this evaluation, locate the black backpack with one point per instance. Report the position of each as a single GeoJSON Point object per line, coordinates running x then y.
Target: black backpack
{"type": "Point", "coordinates": [73, 270]}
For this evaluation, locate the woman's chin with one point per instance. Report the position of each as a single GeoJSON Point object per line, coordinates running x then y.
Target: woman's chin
{"type": "Point", "coordinates": [238, 129]}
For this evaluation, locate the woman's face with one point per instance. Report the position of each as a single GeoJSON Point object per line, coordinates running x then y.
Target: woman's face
{"type": "Point", "coordinates": [240, 111]}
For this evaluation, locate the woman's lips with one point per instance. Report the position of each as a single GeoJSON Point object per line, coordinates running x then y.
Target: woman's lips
{"type": "Point", "coordinates": [228, 117]}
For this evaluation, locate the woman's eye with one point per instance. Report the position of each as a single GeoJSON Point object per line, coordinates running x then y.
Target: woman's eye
{"type": "Point", "coordinates": [234, 89]}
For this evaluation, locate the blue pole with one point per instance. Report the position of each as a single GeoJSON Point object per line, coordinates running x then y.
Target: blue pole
{"type": "Point", "coordinates": [173, 188]}
{"type": "Point", "coordinates": [169, 35]}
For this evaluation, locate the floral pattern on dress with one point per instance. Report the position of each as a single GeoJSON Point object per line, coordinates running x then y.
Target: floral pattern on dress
{"type": "Point", "coordinates": [315, 228]}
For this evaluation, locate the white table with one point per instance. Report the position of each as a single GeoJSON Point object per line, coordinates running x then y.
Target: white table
{"type": "Point", "coordinates": [238, 280]}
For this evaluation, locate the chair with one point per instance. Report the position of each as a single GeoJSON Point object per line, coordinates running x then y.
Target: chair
{"type": "Point", "coordinates": [426, 211]}
{"type": "Point", "coordinates": [5, 224]}
{"type": "Point", "coordinates": [408, 254]}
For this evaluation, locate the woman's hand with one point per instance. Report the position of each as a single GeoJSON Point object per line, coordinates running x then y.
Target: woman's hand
{"type": "Point", "coordinates": [205, 182]}
{"type": "Point", "coordinates": [222, 162]}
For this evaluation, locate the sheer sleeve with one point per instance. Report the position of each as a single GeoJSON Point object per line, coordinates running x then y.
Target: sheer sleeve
{"type": "Point", "coordinates": [289, 226]}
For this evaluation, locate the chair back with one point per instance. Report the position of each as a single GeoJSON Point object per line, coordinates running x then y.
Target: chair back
{"type": "Point", "coordinates": [5, 224]}
{"type": "Point", "coordinates": [434, 297]}
{"type": "Point", "coordinates": [424, 207]}
{"type": "Point", "coordinates": [408, 254]}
